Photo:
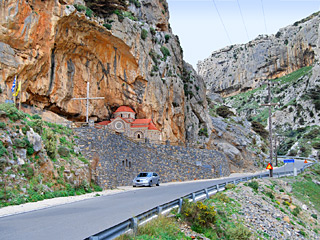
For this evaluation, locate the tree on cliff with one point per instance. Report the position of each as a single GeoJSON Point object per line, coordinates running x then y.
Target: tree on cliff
{"type": "Point", "coordinates": [106, 6]}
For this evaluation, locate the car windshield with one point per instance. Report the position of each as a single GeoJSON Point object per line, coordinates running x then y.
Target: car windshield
{"type": "Point", "coordinates": [144, 174]}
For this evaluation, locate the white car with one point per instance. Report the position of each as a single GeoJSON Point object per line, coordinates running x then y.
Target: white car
{"type": "Point", "coordinates": [146, 179]}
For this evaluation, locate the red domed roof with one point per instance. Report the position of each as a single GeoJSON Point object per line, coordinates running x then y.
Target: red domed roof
{"type": "Point", "coordinates": [124, 109]}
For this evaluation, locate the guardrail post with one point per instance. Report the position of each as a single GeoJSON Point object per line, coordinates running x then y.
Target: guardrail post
{"type": "Point", "coordinates": [159, 210]}
{"type": "Point", "coordinates": [194, 197]}
{"type": "Point", "coordinates": [180, 205]}
{"type": "Point", "coordinates": [134, 222]}
{"type": "Point", "coordinates": [217, 187]}
{"type": "Point", "coordinates": [246, 179]}
{"type": "Point", "coordinates": [207, 193]}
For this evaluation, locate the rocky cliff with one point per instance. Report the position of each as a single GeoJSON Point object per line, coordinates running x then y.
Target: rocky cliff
{"type": "Point", "coordinates": [242, 67]}
{"type": "Point", "coordinates": [124, 49]}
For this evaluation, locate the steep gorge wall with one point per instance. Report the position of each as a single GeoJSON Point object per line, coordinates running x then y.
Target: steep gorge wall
{"type": "Point", "coordinates": [242, 67]}
{"type": "Point", "coordinates": [55, 50]}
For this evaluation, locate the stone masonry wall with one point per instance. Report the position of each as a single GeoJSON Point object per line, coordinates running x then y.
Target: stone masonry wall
{"type": "Point", "coordinates": [117, 160]}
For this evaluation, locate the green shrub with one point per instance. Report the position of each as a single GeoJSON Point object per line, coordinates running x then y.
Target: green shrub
{"type": "Point", "coordinates": [296, 211]}
{"type": "Point", "coordinates": [136, 3]}
{"type": "Point", "coordinates": [159, 228]}
{"type": "Point", "coordinates": [28, 171]}
{"type": "Point", "coordinates": [2, 125]}
{"type": "Point", "coordinates": [37, 125]}
{"type": "Point", "coordinates": [260, 129]}
{"type": "Point", "coordinates": [224, 111]}
{"type": "Point", "coordinates": [107, 26]}
{"type": "Point", "coordinates": [230, 186]}
{"type": "Point", "coordinates": [302, 233]}
{"type": "Point", "coordinates": [286, 203]}
{"type": "Point", "coordinates": [314, 216]}
{"type": "Point", "coordinates": [83, 159]}
{"type": "Point", "coordinates": [221, 197]}
{"type": "Point", "coordinates": [199, 214]}
{"type": "Point", "coordinates": [89, 12]}
{"type": "Point", "coordinates": [12, 112]}
{"type": "Point", "coordinates": [63, 151]}
{"type": "Point", "coordinates": [240, 232]}
{"type": "Point", "coordinates": [144, 34]}
{"type": "Point", "coordinates": [79, 7]}
{"type": "Point", "coordinates": [167, 37]}
{"type": "Point", "coordinates": [203, 132]}
{"type": "Point", "coordinates": [314, 133]}
{"type": "Point", "coordinates": [165, 51]}
{"type": "Point", "coordinates": [50, 143]}
{"type": "Point", "coordinates": [30, 151]}
{"type": "Point", "coordinates": [3, 150]}
{"type": "Point", "coordinates": [254, 185]}
{"type": "Point", "coordinates": [153, 32]}
{"type": "Point", "coordinates": [96, 188]}
{"type": "Point", "coordinates": [316, 145]}
{"type": "Point", "coordinates": [36, 116]}
{"type": "Point", "coordinates": [270, 195]}
{"type": "Point", "coordinates": [21, 143]}
{"type": "Point", "coordinates": [129, 15]}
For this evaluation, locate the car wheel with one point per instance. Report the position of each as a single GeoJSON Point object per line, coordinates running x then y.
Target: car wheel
{"type": "Point", "coordinates": [158, 183]}
{"type": "Point", "coordinates": [150, 184]}
{"type": "Point", "coordinates": [134, 186]}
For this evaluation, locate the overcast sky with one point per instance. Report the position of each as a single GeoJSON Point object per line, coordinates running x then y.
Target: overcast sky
{"type": "Point", "coordinates": [201, 31]}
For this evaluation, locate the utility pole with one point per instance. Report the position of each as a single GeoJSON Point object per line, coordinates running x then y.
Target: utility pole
{"type": "Point", "coordinates": [269, 104]}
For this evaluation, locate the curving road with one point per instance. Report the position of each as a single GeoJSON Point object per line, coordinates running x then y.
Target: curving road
{"type": "Point", "coordinates": [82, 219]}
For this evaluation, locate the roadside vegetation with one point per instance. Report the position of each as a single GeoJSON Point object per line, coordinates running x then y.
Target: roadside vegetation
{"type": "Point", "coordinates": [245, 211]}
{"type": "Point", "coordinates": [39, 160]}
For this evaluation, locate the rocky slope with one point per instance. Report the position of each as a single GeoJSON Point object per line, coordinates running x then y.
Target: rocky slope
{"type": "Point", "coordinates": [124, 49]}
{"type": "Point", "coordinates": [296, 119]}
{"type": "Point", "coordinates": [242, 67]}
{"type": "Point", "coordinates": [38, 160]}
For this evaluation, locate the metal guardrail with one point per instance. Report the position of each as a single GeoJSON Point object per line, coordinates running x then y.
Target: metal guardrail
{"type": "Point", "coordinates": [131, 225]}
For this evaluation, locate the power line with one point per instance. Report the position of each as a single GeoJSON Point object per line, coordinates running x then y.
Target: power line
{"type": "Point", "coordinates": [225, 29]}
{"type": "Point", "coordinates": [244, 24]}
{"type": "Point", "coordinates": [264, 17]}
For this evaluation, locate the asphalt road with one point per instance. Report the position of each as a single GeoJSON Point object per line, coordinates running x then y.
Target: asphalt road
{"type": "Point", "coordinates": [82, 219]}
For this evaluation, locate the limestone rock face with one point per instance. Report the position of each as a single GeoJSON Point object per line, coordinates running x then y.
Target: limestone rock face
{"type": "Point", "coordinates": [239, 68]}
{"type": "Point", "coordinates": [55, 50]}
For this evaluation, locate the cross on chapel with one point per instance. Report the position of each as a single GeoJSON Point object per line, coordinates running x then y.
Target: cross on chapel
{"type": "Point", "coordinates": [87, 104]}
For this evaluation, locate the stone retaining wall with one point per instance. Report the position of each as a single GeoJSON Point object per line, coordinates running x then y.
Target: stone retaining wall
{"type": "Point", "coordinates": [117, 160]}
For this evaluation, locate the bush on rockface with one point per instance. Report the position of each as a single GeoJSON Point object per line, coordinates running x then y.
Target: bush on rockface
{"type": "Point", "coordinates": [165, 52]}
{"type": "Point", "coordinates": [144, 34]}
{"type": "Point", "coordinates": [50, 143]}
{"type": "Point", "coordinates": [12, 112]}
{"type": "Point", "coordinates": [63, 151]}
{"type": "Point", "coordinates": [224, 111]}
{"type": "Point", "coordinates": [203, 132]}
{"type": "Point", "coordinates": [314, 133]}
{"type": "Point", "coordinates": [3, 150]}
{"type": "Point", "coordinates": [260, 129]}
{"type": "Point", "coordinates": [2, 125]}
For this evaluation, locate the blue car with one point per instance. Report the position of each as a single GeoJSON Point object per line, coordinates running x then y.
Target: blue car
{"type": "Point", "coordinates": [146, 179]}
